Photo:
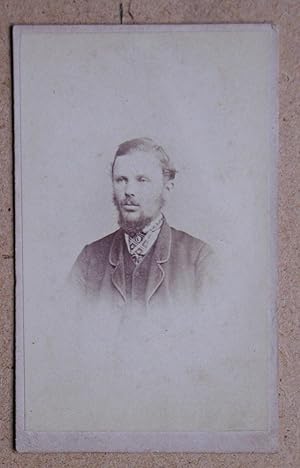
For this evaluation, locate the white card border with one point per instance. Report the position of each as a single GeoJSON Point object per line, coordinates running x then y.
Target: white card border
{"type": "Point", "coordinates": [225, 442]}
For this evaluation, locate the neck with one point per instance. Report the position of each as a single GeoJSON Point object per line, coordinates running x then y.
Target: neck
{"type": "Point", "coordinates": [144, 225]}
{"type": "Point", "coordinates": [154, 224]}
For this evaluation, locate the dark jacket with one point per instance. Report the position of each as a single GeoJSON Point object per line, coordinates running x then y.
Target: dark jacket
{"type": "Point", "coordinates": [176, 273]}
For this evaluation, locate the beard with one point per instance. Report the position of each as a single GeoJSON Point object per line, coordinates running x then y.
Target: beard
{"type": "Point", "coordinates": [131, 227]}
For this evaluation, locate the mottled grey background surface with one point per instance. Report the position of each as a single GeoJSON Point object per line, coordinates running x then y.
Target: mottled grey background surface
{"type": "Point", "coordinates": [284, 14]}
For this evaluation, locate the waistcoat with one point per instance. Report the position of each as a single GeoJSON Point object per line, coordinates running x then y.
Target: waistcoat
{"type": "Point", "coordinates": [136, 276]}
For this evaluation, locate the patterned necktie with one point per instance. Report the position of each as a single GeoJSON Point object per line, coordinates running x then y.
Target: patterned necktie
{"type": "Point", "coordinates": [140, 243]}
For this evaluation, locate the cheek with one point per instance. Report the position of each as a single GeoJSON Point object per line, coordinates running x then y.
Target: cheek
{"type": "Point", "coordinates": [157, 193]}
{"type": "Point", "coordinates": [118, 190]}
{"type": "Point", "coordinates": [152, 191]}
{"type": "Point", "coordinates": [153, 199]}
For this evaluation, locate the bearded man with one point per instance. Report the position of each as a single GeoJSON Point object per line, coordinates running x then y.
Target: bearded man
{"type": "Point", "coordinates": [145, 262]}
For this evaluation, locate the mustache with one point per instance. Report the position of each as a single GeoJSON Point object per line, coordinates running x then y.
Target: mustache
{"type": "Point", "coordinates": [128, 201]}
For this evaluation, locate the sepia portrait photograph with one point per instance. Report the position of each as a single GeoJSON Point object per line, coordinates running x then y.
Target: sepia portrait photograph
{"type": "Point", "coordinates": [145, 193]}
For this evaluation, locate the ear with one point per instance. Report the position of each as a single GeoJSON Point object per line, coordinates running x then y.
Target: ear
{"type": "Point", "coordinates": [169, 185]}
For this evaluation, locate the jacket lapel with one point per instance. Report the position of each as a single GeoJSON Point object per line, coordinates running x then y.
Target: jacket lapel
{"type": "Point", "coordinates": [161, 255]}
{"type": "Point", "coordinates": [116, 259]}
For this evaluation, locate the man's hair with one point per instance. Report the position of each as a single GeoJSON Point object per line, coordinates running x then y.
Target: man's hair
{"type": "Point", "coordinates": [148, 146]}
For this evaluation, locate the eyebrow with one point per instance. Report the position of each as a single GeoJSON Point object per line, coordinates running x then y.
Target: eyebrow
{"type": "Point", "coordinates": [136, 176]}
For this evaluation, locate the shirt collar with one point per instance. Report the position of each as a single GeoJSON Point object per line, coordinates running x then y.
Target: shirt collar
{"type": "Point", "coordinates": [162, 248]}
{"type": "Point", "coordinates": [140, 243]}
{"type": "Point", "coordinates": [154, 225]}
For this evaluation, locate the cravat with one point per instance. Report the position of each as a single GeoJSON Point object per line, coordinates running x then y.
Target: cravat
{"type": "Point", "coordinates": [141, 242]}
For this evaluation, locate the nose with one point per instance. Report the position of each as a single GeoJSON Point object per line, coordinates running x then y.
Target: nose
{"type": "Point", "coordinates": [130, 189]}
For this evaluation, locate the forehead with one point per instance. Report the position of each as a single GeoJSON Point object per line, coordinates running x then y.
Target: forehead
{"type": "Point", "coordinates": [138, 163]}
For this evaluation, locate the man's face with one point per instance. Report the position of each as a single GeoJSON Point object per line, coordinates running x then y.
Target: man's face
{"type": "Point", "coordinates": [139, 189]}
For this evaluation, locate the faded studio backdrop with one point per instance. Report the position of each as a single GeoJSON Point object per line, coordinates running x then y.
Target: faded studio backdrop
{"type": "Point", "coordinates": [206, 98]}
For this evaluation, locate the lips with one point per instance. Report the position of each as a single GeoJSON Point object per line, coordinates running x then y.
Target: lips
{"type": "Point", "coordinates": [129, 207]}
{"type": "Point", "coordinates": [129, 203]}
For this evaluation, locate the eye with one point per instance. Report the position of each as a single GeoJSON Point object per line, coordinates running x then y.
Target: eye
{"type": "Point", "coordinates": [120, 179]}
{"type": "Point", "coordinates": [142, 179]}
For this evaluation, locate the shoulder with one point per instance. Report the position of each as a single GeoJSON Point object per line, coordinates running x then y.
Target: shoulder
{"type": "Point", "coordinates": [90, 264]}
{"type": "Point", "coordinates": [188, 250]}
{"type": "Point", "coordinates": [183, 240]}
{"type": "Point", "coordinates": [97, 251]}
{"type": "Point", "coordinates": [101, 244]}
{"type": "Point", "coordinates": [93, 256]}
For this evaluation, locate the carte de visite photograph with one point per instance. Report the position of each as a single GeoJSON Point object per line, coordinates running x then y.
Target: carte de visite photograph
{"type": "Point", "coordinates": [145, 234]}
